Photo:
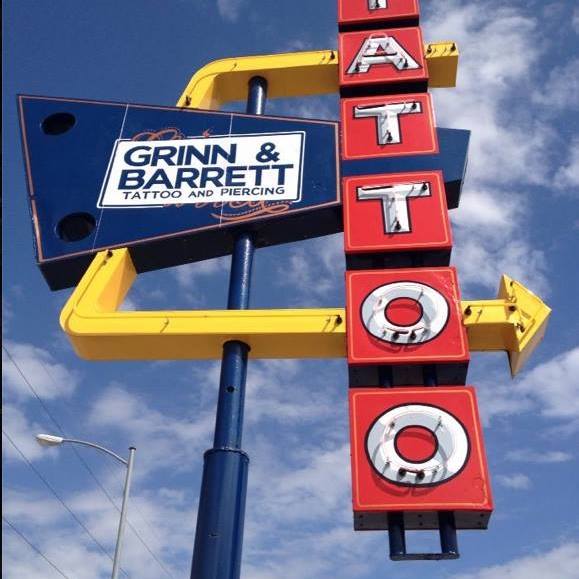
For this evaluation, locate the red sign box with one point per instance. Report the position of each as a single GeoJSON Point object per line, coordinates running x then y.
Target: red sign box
{"type": "Point", "coordinates": [404, 316]}
{"type": "Point", "coordinates": [372, 12]}
{"type": "Point", "coordinates": [381, 57]}
{"type": "Point", "coordinates": [388, 126]}
{"type": "Point", "coordinates": [395, 212]}
{"type": "Point", "coordinates": [418, 450]}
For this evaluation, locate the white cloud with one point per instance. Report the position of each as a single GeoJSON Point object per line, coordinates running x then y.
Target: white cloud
{"type": "Point", "coordinates": [301, 496]}
{"type": "Point", "coordinates": [516, 481]}
{"type": "Point", "coordinates": [316, 268]}
{"type": "Point", "coordinates": [550, 390]}
{"type": "Point", "coordinates": [16, 506]}
{"type": "Point", "coordinates": [21, 430]}
{"type": "Point", "coordinates": [498, 53]}
{"type": "Point", "coordinates": [188, 275]}
{"type": "Point", "coordinates": [481, 260]}
{"type": "Point", "coordinates": [276, 391]}
{"type": "Point", "coordinates": [312, 107]}
{"type": "Point", "coordinates": [479, 209]}
{"type": "Point", "coordinates": [324, 552]}
{"type": "Point", "coordinates": [48, 377]}
{"type": "Point", "coordinates": [230, 10]}
{"type": "Point", "coordinates": [554, 386]}
{"type": "Point", "coordinates": [7, 315]}
{"type": "Point", "coordinates": [129, 304]}
{"type": "Point", "coordinates": [64, 548]}
{"type": "Point", "coordinates": [48, 526]}
{"type": "Point", "coordinates": [575, 20]}
{"type": "Point", "coordinates": [536, 456]}
{"type": "Point", "coordinates": [298, 475]}
{"type": "Point", "coordinates": [559, 92]}
{"type": "Point", "coordinates": [559, 563]}
{"type": "Point", "coordinates": [567, 176]}
{"type": "Point", "coordinates": [165, 440]}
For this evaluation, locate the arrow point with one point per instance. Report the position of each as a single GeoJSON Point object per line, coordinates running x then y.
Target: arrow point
{"type": "Point", "coordinates": [530, 318]}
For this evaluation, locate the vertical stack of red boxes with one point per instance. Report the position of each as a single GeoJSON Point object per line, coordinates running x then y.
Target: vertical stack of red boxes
{"type": "Point", "coordinates": [418, 459]}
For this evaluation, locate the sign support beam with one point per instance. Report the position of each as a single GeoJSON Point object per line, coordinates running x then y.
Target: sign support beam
{"type": "Point", "coordinates": [219, 534]}
{"type": "Point", "coordinates": [446, 521]}
{"type": "Point", "coordinates": [294, 74]}
{"type": "Point", "coordinates": [514, 322]}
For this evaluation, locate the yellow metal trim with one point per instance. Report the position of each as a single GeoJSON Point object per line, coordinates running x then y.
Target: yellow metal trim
{"type": "Point", "coordinates": [294, 74]}
{"type": "Point", "coordinates": [99, 332]}
{"type": "Point", "coordinates": [442, 62]}
{"type": "Point", "coordinates": [514, 322]}
{"type": "Point", "coordinates": [289, 75]}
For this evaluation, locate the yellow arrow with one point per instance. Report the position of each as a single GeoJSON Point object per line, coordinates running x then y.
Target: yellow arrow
{"type": "Point", "coordinates": [294, 74]}
{"type": "Point", "coordinates": [515, 322]}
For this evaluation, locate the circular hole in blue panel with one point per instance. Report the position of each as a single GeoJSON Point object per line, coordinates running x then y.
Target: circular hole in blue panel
{"type": "Point", "coordinates": [58, 123]}
{"type": "Point", "coordinates": [75, 226]}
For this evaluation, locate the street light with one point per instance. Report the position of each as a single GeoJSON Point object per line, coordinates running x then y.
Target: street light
{"type": "Point", "coordinates": [51, 440]}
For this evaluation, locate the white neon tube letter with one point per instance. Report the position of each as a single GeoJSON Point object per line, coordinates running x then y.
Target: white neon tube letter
{"type": "Point", "coordinates": [381, 50]}
{"type": "Point", "coordinates": [395, 202]}
{"type": "Point", "coordinates": [377, 4]}
{"type": "Point", "coordinates": [387, 119]}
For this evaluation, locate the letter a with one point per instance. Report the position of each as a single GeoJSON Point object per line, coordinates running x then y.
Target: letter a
{"type": "Point", "coordinates": [381, 50]}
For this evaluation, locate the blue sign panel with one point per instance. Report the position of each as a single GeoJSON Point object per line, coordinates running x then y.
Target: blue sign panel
{"type": "Point", "coordinates": [172, 184]}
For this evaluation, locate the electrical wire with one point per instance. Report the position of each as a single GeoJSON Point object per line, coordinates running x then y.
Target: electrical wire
{"type": "Point", "coordinates": [136, 508]}
{"type": "Point", "coordinates": [98, 482]}
{"type": "Point", "coordinates": [58, 497]}
{"type": "Point", "coordinates": [80, 458]}
{"type": "Point", "coordinates": [33, 547]}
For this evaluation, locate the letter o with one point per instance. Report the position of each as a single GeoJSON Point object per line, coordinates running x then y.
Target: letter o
{"type": "Point", "coordinates": [432, 320]}
{"type": "Point", "coordinates": [450, 452]}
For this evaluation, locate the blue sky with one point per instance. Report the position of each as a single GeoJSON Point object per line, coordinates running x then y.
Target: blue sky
{"type": "Point", "coordinates": [517, 93]}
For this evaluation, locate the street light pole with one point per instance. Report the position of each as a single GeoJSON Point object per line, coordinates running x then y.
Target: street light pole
{"type": "Point", "coordinates": [123, 519]}
{"type": "Point", "coordinates": [51, 440]}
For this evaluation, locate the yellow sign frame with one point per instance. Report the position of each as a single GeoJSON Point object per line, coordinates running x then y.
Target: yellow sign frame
{"type": "Point", "coordinates": [515, 321]}
{"type": "Point", "coordinates": [99, 332]}
{"type": "Point", "coordinates": [294, 74]}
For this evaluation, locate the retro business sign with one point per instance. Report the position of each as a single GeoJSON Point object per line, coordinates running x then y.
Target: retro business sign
{"type": "Point", "coordinates": [418, 451]}
{"type": "Point", "coordinates": [418, 458]}
{"type": "Point", "coordinates": [264, 167]}
{"type": "Point", "coordinates": [171, 184]}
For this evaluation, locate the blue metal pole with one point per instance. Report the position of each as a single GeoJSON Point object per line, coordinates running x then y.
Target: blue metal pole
{"type": "Point", "coordinates": [396, 535]}
{"type": "Point", "coordinates": [429, 375]}
{"type": "Point", "coordinates": [219, 534]}
{"type": "Point", "coordinates": [446, 519]}
{"type": "Point", "coordinates": [447, 531]}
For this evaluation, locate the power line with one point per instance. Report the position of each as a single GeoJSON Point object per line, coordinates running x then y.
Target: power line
{"type": "Point", "coordinates": [101, 486]}
{"type": "Point", "coordinates": [58, 497]}
{"type": "Point", "coordinates": [79, 456]}
{"type": "Point", "coordinates": [135, 507]}
{"type": "Point", "coordinates": [22, 536]}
